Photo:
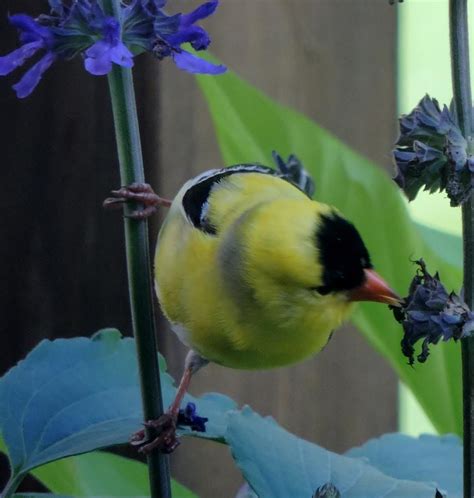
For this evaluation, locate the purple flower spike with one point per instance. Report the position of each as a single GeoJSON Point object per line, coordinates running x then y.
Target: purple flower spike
{"type": "Point", "coordinates": [74, 27]}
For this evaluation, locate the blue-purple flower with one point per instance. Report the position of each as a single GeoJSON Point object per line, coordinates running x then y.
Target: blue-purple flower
{"type": "Point", "coordinates": [188, 417]}
{"type": "Point", "coordinates": [431, 153]}
{"type": "Point", "coordinates": [430, 314]}
{"type": "Point", "coordinates": [82, 27]}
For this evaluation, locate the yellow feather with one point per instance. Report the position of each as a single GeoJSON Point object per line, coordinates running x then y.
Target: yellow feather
{"type": "Point", "coordinates": [243, 297]}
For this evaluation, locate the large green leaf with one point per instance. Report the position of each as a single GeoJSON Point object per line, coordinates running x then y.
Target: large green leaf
{"type": "Point", "coordinates": [71, 396]}
{"type": "Point", "coordinates": [95, 474]}
{"type": "Point", "coordinates": [42, 495]}
{"type": "Point", "coordinates": [278, 464]}
{"type": "Point", "coordinates": [249, 126]}
{"type": "Point", "coordinates": [100, 474]}
{"type": "Point", "coordinates": [48, 495]}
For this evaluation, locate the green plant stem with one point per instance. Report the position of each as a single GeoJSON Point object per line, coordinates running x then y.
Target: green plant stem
{"type": "Point", "coordinates": [139, 269]}
{"type": "Point", "coordinates": [138, 260]}
{"type": "Point", "coordinates": [459, 37]}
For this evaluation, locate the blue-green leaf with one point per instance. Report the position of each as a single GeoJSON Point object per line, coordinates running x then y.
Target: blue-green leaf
{"type": "Point", "coordinates": [426, 458]}
{"type": "Point", "coordinates": [249, 126]}
{"type": "Point", "coordinates": [69, 396]}
{"type": "Point", "coordinates": [277, 464]}
{"type": "Point", "coordinates": [72, 396]}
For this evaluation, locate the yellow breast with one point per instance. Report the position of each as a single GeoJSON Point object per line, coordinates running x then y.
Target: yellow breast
{"type": "Point", "coordinates": [242, 297]}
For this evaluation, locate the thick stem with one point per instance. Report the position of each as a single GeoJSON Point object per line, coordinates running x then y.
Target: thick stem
{"type": "Point", "coordinates": [468, 351]}
{"type": "Point", "coordinates": [138, 260]}
{"type": "Point", "coordinates": [459, 37]}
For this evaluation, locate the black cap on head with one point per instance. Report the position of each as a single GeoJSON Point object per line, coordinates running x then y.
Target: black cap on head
{"type": "Point", "coordinates": [342, 254]}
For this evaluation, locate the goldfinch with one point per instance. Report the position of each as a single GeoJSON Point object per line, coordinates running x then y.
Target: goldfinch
{"type": "Point", "coordinates": [252, 273]}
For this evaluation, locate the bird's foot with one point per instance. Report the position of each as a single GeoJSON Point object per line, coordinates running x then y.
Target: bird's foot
{"type": "Point", "coordinates": [137, 192]}
{"type": "Point", "coordinates": [166, 440]}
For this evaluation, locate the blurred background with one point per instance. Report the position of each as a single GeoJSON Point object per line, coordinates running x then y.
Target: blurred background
{"type": "Point", "coordinates": [352, 66]}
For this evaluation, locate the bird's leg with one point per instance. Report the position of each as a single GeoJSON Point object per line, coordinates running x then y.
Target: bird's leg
{"type": "Point", "coordinates": [137, 192]}
{"type": "Point", "coordinates": [165, 426]}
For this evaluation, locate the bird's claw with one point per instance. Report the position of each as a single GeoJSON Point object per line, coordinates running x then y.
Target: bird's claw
{"type": "Point", "coordinates": [136, 192]}
{"type": "Point", "coordinates": [138, 438]}
{"type": "Point", "coordinates": [166, 440]}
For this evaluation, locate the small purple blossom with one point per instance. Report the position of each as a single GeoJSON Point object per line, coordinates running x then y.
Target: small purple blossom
{"type": "Point", "coordinates": [109, 49]}
{"type": "Point", "coordinates": [81, 27]}
{"type": "Point", "coordinates": [188, 417]}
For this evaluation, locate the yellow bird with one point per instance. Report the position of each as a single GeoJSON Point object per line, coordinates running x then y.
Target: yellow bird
{"type": "Point", "coordinates": [252, 273]}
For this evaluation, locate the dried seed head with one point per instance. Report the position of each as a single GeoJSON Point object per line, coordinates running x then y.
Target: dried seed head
{"type": "Point", "coordinates": [430, 153]}
{"type": "Point", "coordinates": [429, 314]}
{"type": "Point", "coordinates": [328, 490]}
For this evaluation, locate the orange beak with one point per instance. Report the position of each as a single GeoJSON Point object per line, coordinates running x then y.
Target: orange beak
{"type": "Point", "coordinates": [375, 289]}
